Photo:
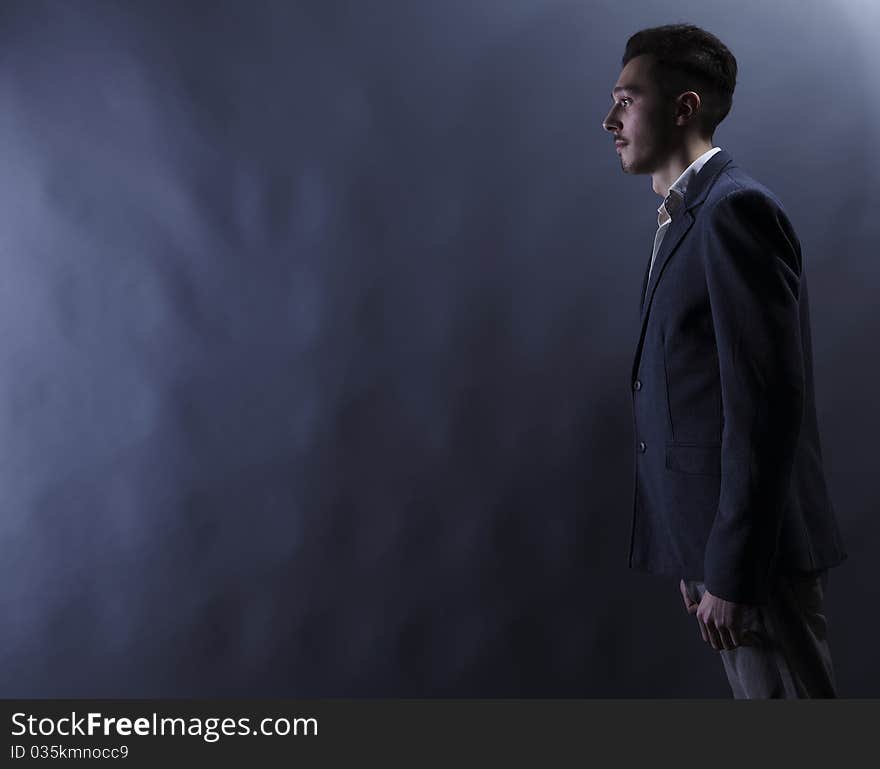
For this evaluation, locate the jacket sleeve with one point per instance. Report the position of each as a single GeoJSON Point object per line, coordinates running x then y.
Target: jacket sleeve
{"type": "Point", "coordinates": [752, 265]}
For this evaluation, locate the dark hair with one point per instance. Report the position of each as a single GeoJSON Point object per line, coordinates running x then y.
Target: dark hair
{"type": "Point", "coordinates": [687, 58]}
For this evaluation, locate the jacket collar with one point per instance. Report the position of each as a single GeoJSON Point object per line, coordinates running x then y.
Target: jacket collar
{"type": "Point", "coordinates": [699, 185]}
{"type": "Point", "coordinates": [678, 188]}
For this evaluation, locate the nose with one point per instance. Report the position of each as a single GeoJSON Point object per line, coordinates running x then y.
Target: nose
{"type": "Point", "coordinates": [611, 123]}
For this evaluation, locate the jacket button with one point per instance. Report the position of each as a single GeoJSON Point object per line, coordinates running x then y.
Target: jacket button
{"type": "Point", "coordinates": [642, 447]}
{"type": "Point", "coordinates": [637, 385]}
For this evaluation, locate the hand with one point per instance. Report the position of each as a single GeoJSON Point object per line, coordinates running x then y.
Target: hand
{"type": "Point", "coordinates": [690, 605]}
{"type": "Point", "coordinates": [723, 624]}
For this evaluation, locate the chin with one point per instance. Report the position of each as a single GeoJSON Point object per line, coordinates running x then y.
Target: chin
{"type": "Point", "coordinates": [626, 164]}
{"type": "Point", "coordinates": [634, 167]}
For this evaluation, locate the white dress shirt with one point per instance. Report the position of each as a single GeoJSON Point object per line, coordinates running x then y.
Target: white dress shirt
{"type": "Point", "coordinates": [677, 189]}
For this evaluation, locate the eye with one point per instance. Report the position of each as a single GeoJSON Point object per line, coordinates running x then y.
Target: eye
{"type": "Point", "coordinates": [625, 98]}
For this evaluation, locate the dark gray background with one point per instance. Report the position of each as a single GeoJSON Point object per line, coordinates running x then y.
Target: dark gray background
{"type": "Point", "coordinates": [316, 322]}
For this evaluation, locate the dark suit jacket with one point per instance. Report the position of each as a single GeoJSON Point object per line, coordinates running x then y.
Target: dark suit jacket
{"type": "Point", "coordinates": [729, 485]}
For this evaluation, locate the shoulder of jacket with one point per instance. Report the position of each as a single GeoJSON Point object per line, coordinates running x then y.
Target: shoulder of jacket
{"type": "Point", "coordinates": [733, 187]}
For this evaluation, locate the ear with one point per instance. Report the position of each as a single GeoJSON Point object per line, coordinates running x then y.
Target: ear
{"type": "Point", "coordinates": [687, 107]}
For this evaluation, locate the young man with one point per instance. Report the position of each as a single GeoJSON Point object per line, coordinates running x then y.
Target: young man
{"type": "Point", "coordinates": [729, 488]}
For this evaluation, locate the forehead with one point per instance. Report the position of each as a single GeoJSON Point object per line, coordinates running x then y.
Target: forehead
{"type": "Point", "coordinates": [635, 76]}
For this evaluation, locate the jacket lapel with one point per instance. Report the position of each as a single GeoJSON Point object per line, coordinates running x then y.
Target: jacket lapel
{"type": "Point", "coordinates": [678, 227]}
{"type": "Point", "coordinates": [697, 190]}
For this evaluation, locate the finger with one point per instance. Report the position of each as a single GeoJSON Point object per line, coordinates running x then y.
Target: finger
{"type": "Point", "coordinates": [689, 603]}
{"type": "Point", "coordinates": [726, 635]}
{"type": "Point", "coordinates": [684, 594]}
{"type": "Point", "coordinates": [736, 635]}
{"type": "Point", "coordinates": [703, 630]}
{"type": "Point", "coordinates": [714, 639]}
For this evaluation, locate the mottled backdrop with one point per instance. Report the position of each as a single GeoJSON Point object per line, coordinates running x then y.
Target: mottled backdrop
{"type": "Point", "coordinates": [316, 322]}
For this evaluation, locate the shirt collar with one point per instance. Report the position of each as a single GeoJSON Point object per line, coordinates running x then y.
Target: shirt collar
{"type": "Point", "coordinates": [680, 185]}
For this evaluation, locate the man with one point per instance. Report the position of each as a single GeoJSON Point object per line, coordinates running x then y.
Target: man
{"type": "Point", "coordinates": [729, 487]}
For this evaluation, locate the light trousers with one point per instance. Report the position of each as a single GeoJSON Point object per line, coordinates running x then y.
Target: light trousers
{"type": "Point", "coordinates": [790, 658]}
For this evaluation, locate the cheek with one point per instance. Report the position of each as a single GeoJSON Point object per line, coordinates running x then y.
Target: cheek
{"type": "Point", "coordinates": [636, 124]}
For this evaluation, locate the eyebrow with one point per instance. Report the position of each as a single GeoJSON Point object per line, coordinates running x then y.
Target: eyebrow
{"type": "Point", "coordinates": [630, 88]}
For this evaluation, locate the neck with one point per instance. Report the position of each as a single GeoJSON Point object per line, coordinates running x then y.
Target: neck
{"type": "Point", "coordinates": [675, 164]}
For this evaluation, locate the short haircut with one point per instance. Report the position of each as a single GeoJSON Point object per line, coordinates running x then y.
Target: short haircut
{"type": "Point", "coordinates": [687, 58]}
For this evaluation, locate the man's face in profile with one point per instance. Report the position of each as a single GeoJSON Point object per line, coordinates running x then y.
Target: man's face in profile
{"type": "Point", "coordinates": [641, 118]}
